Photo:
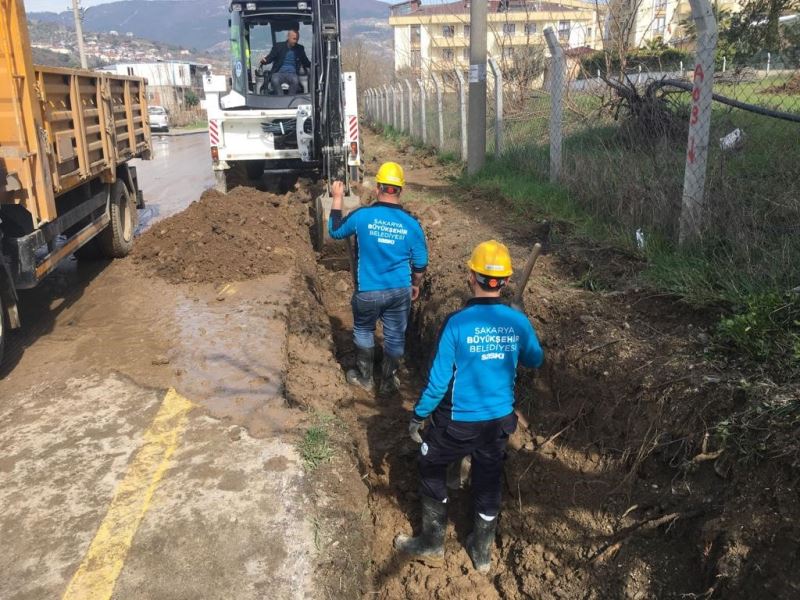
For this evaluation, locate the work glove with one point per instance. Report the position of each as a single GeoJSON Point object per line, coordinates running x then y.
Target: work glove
{"type": "Point", "coordinates": [414, 428]}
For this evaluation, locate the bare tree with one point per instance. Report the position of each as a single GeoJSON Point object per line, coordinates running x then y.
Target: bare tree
{"type": "Point", "coordinates": [371, 69]}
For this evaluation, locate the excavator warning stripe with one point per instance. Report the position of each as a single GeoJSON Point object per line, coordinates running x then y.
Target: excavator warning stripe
{"type": "Point", "coordinates": [213, 132]}
{"type": "Point", "coordinates": [353, 129]}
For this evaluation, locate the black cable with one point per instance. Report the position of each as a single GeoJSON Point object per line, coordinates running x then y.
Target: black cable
{"type": "Point", "coordinates": [760, 110]}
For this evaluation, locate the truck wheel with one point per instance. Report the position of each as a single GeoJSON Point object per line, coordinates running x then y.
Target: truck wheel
{"type": "Point", "coordinates": [116, 240]}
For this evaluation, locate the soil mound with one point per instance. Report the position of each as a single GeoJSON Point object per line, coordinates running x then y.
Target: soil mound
{"type": "Point", "coordinates": [224, 238]}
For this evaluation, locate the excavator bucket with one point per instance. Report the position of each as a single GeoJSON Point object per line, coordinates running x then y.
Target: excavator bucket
{"type": "Point", "coordinates": [322, 212]}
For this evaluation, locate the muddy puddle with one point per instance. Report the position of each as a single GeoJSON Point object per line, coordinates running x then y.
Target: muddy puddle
{"type": "Point", "coordinates": [231, 352]}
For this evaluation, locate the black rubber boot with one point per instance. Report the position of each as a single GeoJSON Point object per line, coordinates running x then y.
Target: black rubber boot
{"type": "Point", "coordinates": [362, 374]}
{"type": "Point", "coordinates": [429, 545]}
{"type": "Point", "coordinates": [390, 383]}
{"type": "Point", "coordinates": [479, 543]}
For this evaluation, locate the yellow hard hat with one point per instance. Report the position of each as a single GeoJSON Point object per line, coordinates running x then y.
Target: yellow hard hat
{"type": "Point", "coordinates": [391, 173]}
{"type": "Point", "coordinates": [491, 259]}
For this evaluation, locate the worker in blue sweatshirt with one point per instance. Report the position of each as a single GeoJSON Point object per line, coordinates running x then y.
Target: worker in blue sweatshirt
{"type": "Point", "coordinates": [390, 257]}
{"type": "Point", "coordinates": [469, 404]}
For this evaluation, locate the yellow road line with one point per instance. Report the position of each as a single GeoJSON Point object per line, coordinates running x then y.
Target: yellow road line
{"type": "Point", "coordinates": [98, 573]}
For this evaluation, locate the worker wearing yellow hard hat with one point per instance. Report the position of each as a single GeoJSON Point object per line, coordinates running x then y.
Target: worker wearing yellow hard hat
{"type": "Point", "coordinates": [391, 259]}
{"type": "Point", "coordinates": [473, 416]}
{"type": "Point", "coordinates": [391, 174]}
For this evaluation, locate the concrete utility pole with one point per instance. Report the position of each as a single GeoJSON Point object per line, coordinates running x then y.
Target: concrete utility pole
{"type": "Point", "coordinates": [76, 11]}
{"type": "Point", "coordinates": [694, 179]}
{"type": "Point", "coordinates": [476, 138]}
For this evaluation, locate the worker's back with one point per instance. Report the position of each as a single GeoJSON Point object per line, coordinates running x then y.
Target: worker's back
{"type": "Point", "coordinates": [389, 243]}
{"type": "Point", "coordinates": [476, 360]}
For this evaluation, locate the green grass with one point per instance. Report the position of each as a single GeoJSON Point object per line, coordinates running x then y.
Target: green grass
{"type": "Point", "coordinates": [315, 447]}
{"type": "Point", "coordinates": [198, 124]}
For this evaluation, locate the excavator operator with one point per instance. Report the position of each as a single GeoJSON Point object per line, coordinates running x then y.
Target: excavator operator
{"type": "Point", "coordinates": [287, 58]}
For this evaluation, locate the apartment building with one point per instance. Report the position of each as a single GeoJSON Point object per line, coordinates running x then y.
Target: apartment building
{"type": "Point", "coordinates": [435, 37]}
{"type": "Point", "coordinates": [661, 19]}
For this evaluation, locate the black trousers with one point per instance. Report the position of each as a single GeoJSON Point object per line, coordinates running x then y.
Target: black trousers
{"type": "Point", "coordinates": [446, 441]}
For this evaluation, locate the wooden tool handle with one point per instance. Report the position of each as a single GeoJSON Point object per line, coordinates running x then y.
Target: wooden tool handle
{"type": "Point", "coordinates": [526, 272]}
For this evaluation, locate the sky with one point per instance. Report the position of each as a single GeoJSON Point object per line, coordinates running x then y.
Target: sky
{"type": "Point", "coordinates": [61, 5]}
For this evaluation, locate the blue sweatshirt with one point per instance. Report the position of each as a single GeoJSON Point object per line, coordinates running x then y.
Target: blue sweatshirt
{"type": "Point", "coordinates": [389, 244]}
{"type": "Point", "coordinates": [473, 372]}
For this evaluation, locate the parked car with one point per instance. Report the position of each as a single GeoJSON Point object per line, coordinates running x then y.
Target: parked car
{"type": "Point", "coordinates": [159, 118]}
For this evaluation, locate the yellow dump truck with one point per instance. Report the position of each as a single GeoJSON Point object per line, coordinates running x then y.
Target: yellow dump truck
{"type": "Point", "coordinates": [66, 136]}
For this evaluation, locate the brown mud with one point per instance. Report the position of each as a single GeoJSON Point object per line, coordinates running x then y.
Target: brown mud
{"type": "Point", "coordinates": [222, 238]}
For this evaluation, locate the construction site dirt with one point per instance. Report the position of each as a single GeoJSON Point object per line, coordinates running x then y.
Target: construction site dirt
{"type": "Point", "coordinates": [613, 491]}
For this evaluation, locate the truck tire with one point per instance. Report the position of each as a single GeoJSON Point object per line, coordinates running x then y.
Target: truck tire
{"type": "Point", "coordinates": [116, 240]}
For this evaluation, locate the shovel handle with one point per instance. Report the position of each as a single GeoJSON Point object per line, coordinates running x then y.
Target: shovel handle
{"type": "Point", "coordinates": [526, 272]}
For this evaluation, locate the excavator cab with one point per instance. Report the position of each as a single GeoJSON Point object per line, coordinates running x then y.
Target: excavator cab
{"type": "Point", "coordinates": [260, 129]}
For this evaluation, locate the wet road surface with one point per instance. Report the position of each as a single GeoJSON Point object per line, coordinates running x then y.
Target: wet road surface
{"type": "Point", "coordinates": [145, 446]}
{"type": "Point", "coordinates": [178, 173]}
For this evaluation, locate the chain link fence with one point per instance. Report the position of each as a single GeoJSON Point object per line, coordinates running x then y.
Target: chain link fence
{"type": "Point", "coordinates": [628, 145]}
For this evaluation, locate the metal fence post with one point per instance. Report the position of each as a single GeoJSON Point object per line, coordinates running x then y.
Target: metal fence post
{"type": "Point", "coordinates": [394, 107]}
{"type": "Point", "coordinates": [769, 62]}
{"type": "Point", "coordinates": [498, 102]}
{"type": "Point", "coordinates": [423, 121]}
{"type": "Point", "coordinates": [462, 99]}
{"type": "Point", "coordinates": [410, 108]}
{"type": "Point", "coordinates": [386, 104]}
{"type": "Point", "coordinates": [556, 95]}
{"type": "Point", "coordinates": [694, 178]}
{"type": "Point", "coordinates": [439, 109]}
{"type": "Point", "coordinates": [402, 108]}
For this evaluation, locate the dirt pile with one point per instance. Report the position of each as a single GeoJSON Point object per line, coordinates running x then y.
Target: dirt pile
{"type": "Point", "coordinates": [224, 238]}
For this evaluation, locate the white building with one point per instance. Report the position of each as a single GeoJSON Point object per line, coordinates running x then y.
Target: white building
{"type": "Point", "coordinates": [167, 82]}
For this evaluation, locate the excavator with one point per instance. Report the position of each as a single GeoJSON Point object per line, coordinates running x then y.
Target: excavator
{"type": "Point", "coordinates": [260, 130]}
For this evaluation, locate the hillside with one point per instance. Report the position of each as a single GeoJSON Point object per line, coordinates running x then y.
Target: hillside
{"type": "Point", "coordinates": [54, 44]}
{"type": "Point", "coordinates": [201, 24]}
